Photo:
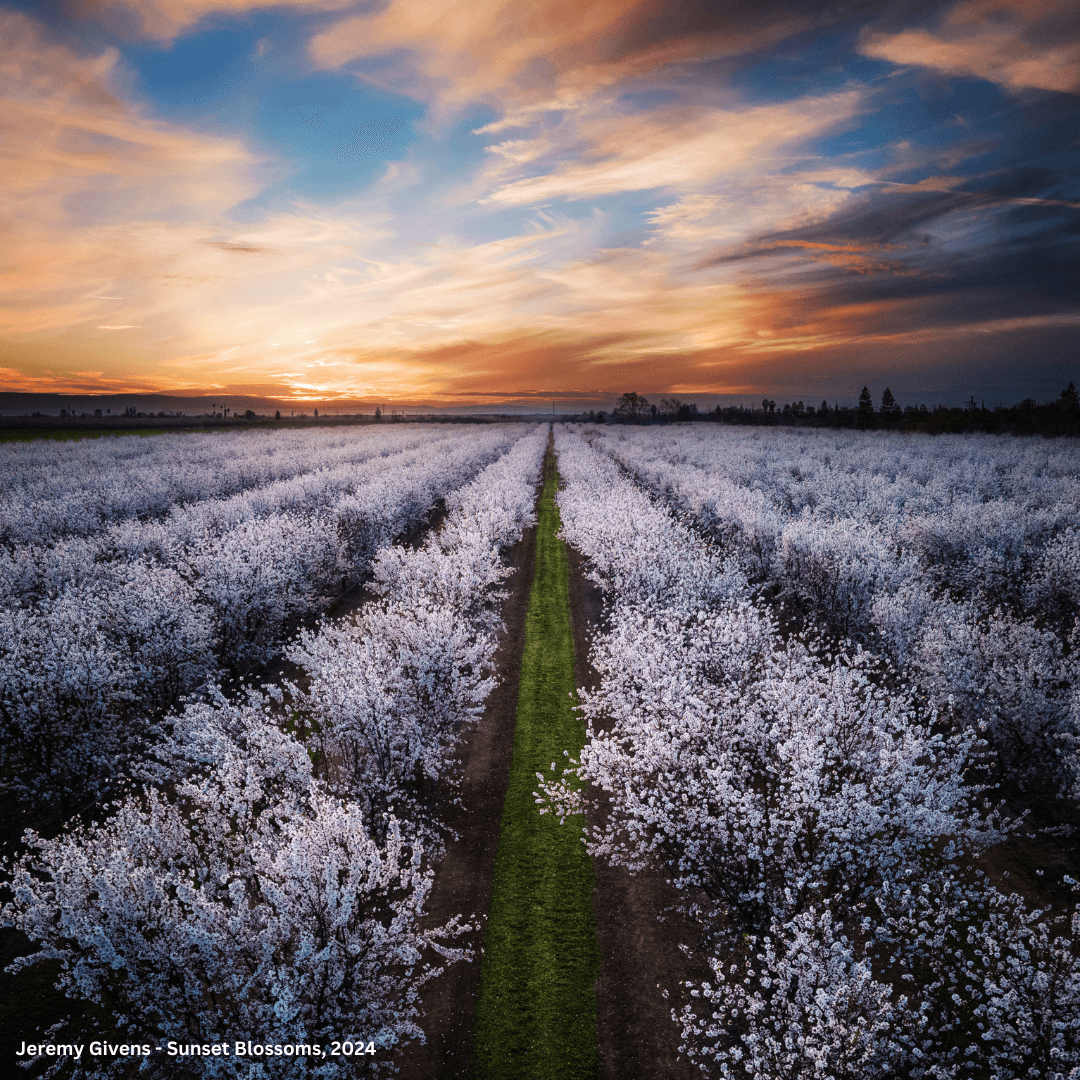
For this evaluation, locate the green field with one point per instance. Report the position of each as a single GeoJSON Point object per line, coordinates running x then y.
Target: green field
{"type": "Point", "coordinates": [15, 435]}
{"type": "Point", "coordinates": [536, 1015]}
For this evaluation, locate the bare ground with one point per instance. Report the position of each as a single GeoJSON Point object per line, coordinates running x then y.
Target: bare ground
{"type": "Point", "coordinates": [637, 1039]}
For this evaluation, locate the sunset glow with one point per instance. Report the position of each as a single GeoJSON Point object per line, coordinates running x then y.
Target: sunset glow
{"type": "Point", "coordinates": [499, 201]}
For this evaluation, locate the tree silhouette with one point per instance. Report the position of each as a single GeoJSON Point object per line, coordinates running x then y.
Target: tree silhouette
{"type": "Point", "coordinates": [890, 407]}
{"type": "Point", "coordinates": [866, 408]}
{"type": "Point", "coordinates": [632, 406]}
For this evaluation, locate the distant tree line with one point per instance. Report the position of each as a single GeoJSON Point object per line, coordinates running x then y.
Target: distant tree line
{"type": "Point", "coordinates": [1060, 417]}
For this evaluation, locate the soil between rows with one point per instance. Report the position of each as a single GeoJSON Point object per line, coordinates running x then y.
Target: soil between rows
{"type": "Point", "coordinates": [536, 1014]}
{"type": "Point", "coordinates": [637, 1039]}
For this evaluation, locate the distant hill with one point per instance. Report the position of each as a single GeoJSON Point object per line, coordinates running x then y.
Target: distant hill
{"type": "Point", "coordinates": [14, 404]}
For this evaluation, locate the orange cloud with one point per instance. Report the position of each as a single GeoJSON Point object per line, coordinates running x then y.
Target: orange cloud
{"type": "Point", "coordinates": [88, 179]}
{"type": "Point", "coordinates": [120, 255]}
{"type": "Point", "coordinates": [73, 139]}
{"type": "Point", "coordinates": [1009, 42]}
{"type": "Point", "coordinates": [761, 198]}
{"type": "Point", "coordinates": [817, 324]}
{"type": "Point", "coordinates": [618, 152]}
{"type": "Point", "coordinates": [565, 367]}
{"type": "Point", "coordinates": [164, 20]}
{"type": "Point", "coordinates": [854, 258]}
{"type": "Point", "coordinates": [66, 354]}
{"type": "Point", "coordinates": [555, 52]}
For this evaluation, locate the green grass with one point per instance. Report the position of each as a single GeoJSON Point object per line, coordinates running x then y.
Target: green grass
{"type": "Point", "coordinates": [15, 435]}
{"type": "Point", "coordinates": [536, 1014]}
{"type": "Point", "coordinates": [33, 433]}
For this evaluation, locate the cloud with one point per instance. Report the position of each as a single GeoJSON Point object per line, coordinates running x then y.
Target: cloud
{"type": "Point", "coordinates": [937, 226]}
{"type": "Point", "coordinates": [16, 380]}
{"type": "Point", "coordinates": [384, 316]}
{"type": "Point", "coordinates": [567, 366]}
{"type": "Point", "coordinates": [744, 239]}
{"type": "Point", "coordinates": [74, 140]}
{"type": "Point", "coordinates": [248, 249]}
{"type": "Point", "coordinates": [1018, 45]}
{"type": "Point", "coordinates": [165, 20]}
{"type": "Point", "coordinates": [90, 183]}
{"type": "Point", "coordinates": [339, 311]}
{"type": "Point", "coordinates": [471, 48]}
{"type": "Point", "coordinates": [742, 207]}
{"type": "Point", "coordinates": [673, 148]}
{"type": "Point", "coordinates": [551, 54]}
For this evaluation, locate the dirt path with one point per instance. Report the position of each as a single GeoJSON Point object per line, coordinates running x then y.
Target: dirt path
{"type": "Point", "coordinates": [636, 1037]}
{"type": "Point", "coordinates": [639, 955]}
{"type": "Point", "coordinates": [536, 1014]}
{"type": "Point", "coordinates": [463, 878]}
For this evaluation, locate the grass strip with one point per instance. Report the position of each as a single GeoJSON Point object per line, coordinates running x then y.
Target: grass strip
{"type": "Point", "coordinates": [32, 434]}
{"type": "Point", "coordinates": [536, 1013]}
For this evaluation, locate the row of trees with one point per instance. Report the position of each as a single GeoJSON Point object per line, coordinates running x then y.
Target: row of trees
{"type": "Point", "coordinates": [1058, 417]}
{"type": "Point", "coordinates": [636, 408]}
{"type": "Point", "coordinates": [264, 877]}
{"type": "Point", "coordinates": [51, 491]}
{"type": "Point", "coordinates": [101, 634]}
{"type": "Point", "coordinates": [819, 808]}
{"type": "Point", "coordinates": [958, 562]}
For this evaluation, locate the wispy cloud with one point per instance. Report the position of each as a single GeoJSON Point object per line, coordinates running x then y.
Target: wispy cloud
{"type": "Point", "coordinates": [654, 194]}
{"type": "Point", "coordinates": [608, 152]}
{"type": "Point", "coordinates": [1015, 43]}
{"type": "Point", "coordinates": [557, 52]}
{"type": "Point", "coordinates": [90, 184]}
{"type": "Point", "coordinates": [165, 20]}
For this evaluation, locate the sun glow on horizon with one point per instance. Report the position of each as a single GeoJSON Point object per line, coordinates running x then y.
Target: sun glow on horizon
{"type": "Point", "coordinates": [314, 197]}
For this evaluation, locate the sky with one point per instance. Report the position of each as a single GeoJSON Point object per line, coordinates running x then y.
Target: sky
{"type": "Point", "coordinates": [497, 202]}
